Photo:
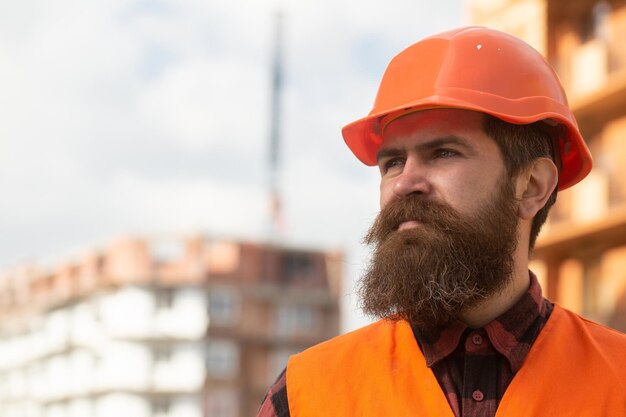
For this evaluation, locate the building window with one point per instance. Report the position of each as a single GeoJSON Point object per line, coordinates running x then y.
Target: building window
{"type": "Point", "coordinates": [296, 319]}
{"type": "Point", "coordinates": [160, 407]}
{"type": "Point", "coordinates": [278, 363]}
{"type": "Point", "coordinates": [223, 306]}
{"type": "Point", "coordinates": [222, 359]}
{"type": "Point", "coordinates": [162, 354]}
{"type": "Point", "coordinates": [222, 403]}
{"type": "Point", "coordinates": [298, 267]}
{"type": "Point", "coordinates": [164, 299]}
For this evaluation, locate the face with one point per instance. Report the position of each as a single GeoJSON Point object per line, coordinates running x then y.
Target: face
{"type": "Point", "coordinates": [447, 230]}
{"type": "Point", "coordinates": [442, 155]}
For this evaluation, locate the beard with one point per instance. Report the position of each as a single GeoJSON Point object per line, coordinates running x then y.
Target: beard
{"type": "Point", "coordinates": [429, 274]}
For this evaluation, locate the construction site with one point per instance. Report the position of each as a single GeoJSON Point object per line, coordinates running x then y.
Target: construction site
{"type": "Point", "coordinates": [201, 327]}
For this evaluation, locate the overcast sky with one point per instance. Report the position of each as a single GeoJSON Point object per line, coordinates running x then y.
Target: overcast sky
{"type": "Point", "coordinates": [140, 117]}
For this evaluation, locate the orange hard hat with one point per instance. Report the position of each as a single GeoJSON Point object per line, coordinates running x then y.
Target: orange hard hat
{"type": "Point", "coordinates": [481, 69]}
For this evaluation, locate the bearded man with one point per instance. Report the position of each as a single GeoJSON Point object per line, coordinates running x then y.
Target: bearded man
{"type": "Point", "coordinates": [473, 137]}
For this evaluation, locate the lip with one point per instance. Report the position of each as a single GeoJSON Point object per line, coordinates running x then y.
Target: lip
{"type": "Point", "coordinates": [410, 224]}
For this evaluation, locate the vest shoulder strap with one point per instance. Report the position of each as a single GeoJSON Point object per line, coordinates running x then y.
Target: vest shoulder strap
{"type": "Point", "coordinates": [575, 368]}
{"type": "Point", "coordinates": [378, 370]}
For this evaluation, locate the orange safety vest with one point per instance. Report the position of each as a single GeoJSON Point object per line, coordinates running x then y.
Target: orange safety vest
{"type": "Point", "coordinates": [574, 368]}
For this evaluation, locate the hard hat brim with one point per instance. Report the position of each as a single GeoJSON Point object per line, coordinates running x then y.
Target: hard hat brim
{"type": "Point", "coordinates": [364, 138]}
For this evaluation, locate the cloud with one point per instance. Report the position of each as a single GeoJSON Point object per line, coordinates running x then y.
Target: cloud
{"type": "Point", "coordinates": [203, 103]}
{"type": "Point", "coordinates": [152, 116]}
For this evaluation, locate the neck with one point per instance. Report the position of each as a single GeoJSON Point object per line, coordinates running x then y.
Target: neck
{"type": "Point", "coordinates": [499, 303]}
{"type": "Point", "coordinates": [496, 305]}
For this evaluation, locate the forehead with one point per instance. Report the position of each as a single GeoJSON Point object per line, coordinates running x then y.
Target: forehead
{"type": "Point", "coordinates": [435, 123]}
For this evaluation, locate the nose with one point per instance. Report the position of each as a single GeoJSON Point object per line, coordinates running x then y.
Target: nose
{"type": "Point", "coordinates": [412, 180]}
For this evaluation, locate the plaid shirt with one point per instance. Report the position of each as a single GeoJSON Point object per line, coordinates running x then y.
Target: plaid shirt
{"type": "Point", "coordinates": [474, 367]}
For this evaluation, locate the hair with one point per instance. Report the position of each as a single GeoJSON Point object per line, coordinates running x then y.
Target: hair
{"type": "Point", "coordinates": [520, 146]}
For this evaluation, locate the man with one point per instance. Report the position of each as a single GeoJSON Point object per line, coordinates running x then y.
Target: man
{"type": "Point", "coordinates": [473, 136]}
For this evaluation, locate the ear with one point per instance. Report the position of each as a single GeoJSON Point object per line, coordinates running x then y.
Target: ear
{"type": "Point", "coordinates": [535, 185]}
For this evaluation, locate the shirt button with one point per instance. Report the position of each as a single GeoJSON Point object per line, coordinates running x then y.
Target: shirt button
{"type": "Point", "coordinates": [478, 395]}
{"type": "Point", "coordinates": [477, 339]}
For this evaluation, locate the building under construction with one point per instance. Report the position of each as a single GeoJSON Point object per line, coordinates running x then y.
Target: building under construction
{"type": "Point", "coordinates": [581, 254]}
{"type": "Point", "coordinates": [195, 328]}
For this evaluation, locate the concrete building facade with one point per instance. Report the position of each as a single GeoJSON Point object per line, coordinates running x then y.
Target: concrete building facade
{"type": "Point", "coordinates": [194, 328]}
{"type": "Point", "coordinates": [581, 254]}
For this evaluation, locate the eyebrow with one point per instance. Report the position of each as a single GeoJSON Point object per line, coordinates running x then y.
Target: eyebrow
{"type": "Point", "coordinates": [429, 145]}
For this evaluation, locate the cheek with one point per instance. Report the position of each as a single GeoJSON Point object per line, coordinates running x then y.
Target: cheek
{"type": "Point", "coordinates": [382, 199]}
{"type": "Point", "coordinates": [385, 193]}
{"type": "Point", "coordinates": [475, 193]}
{"type": "Point", "coordinates": [462, 190]}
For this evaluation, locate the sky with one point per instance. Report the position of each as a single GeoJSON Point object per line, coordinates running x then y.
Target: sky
{"type": "Point", "coordinates": [151, 118]}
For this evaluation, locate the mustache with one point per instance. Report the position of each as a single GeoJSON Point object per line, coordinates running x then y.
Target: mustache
{"type": "Point", "coordinates": [451, 262]}
{"type": "Point", "coordinates": [436, 215]}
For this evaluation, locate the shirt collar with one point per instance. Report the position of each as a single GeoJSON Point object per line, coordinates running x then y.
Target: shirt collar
{"type": "Point", "coordinates": [511, 334]}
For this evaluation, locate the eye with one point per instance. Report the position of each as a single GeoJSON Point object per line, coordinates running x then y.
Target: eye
{"type": "Point", "coordinates": [390, 164]}
{"type": "Point", "coordinates": [445, 153]}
